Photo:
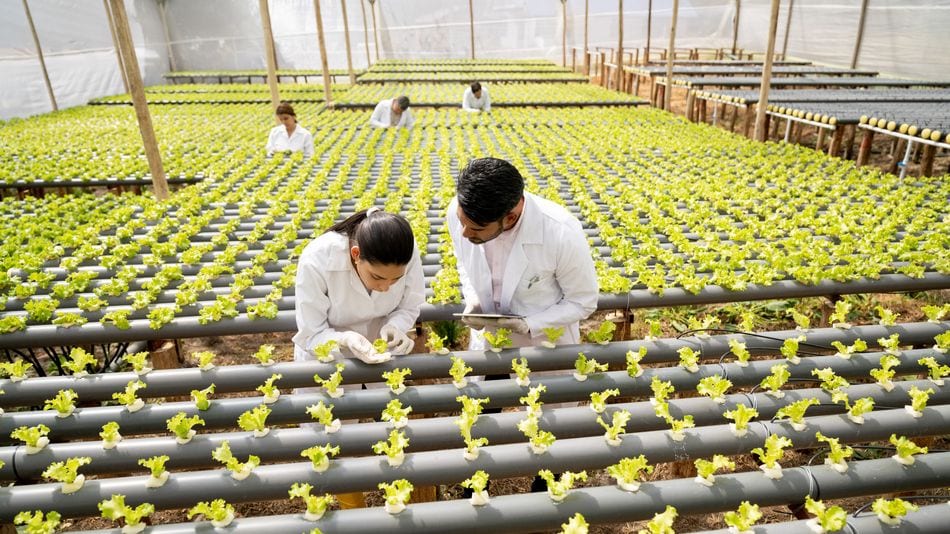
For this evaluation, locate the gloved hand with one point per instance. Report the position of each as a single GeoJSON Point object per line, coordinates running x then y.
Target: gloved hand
{"type": "Point", "coordinates": [360, 347]}
{"type": "Point", "coordinates": [474, 322]}
{"type": "Point", "coordinates": [397, 341]}
{"type": "Point", "coordinates": [518, 326]}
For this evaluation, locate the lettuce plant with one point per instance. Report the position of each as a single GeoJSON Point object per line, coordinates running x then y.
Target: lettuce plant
{"type": "Point", "coordinates": [714, 387]}
{"type": "Point", "coordinates": [740, 351]}
{"type": "Point", "coordinates": [551, 335]}
{"type": "Point", "coordinates": [918, 402]}
{"type": "Point", "coordinates": [617, 426]}
{"type": "Point", "coordinates": [202, 397]}
{"type": "Point", "coordinates": [890, 512]}
{"type": "Point", "coordinates": [827, 518]}
{"type": "Point", "coordinates": [33, 437]}
{"type": "Point", "coordinates": [770, 455]}
{"type": "Point", "coordinates": [628, 472]}
{"type": "Point", "coordinates": [393, 448]}
{"type": "Point", "coordinates": [181, 425]}
{"type": "Point", "coordinates": [661, 390]}
{"type": "Point", "coordinates": [458, 371]}
{"type": "Point", "coordinates": [830, 382]}
{"type": "Point", "coordinates": [634, 370]}
{"type": "Point", "coordinates": [678, 426]}
{"type": "Point", "coordinates": [837, 453]}
{"type": "Point", "coordinates": [935, 313]}
{"type": "Point", "coordinates": [15, 371]}
{"type": "Point", "coordinates": [740, 418]}
{"type": "Point", "coordinates": [67, 473]}
{"type": "Point", "coordinates": [265, 355]}
{"type": "Point", "coordinates": [662, 522]}
{"type": "Point", "coordinates": [139, 363]}
{"type": "Point", "coordinates": [706, 469]}
{"type": "Point", "coordinates": [316, 504]}
{"type": "Point", "coordinates": [395, 414]}
{"type": "Point", "coordinates": [110, 435]}
{"type": "Point", "coordinates": [790, 350]}
{"type": "Point", "coordinates": [218, 511]}
{"type": "Point", "coordinates": [942, 342]}
{"type": "Point", "coordinates": [885, 372]}
{"type": "Point", "coordinates": [802, 321]}
{"type": "Point", "coordinates": [519, 366]}
{"type": "Point", "coordinates": [436, 343]}
{"type": "Point", "coordinates": [319, 456]}
{"type": "Point", "coordinates": [598, 400]}
{"type": "Point", "coordinates": [533, 399]}
{"type": "Point", "coordinates": [478, 483]}
{"type": "Point", "coordinates": [689, 359]}
{"type": "Point", "coordinates": [381, 346]}
{"type": "Point", "coordinates": [742, 520]}
{"type": "Point", "coordinates": [538, 440]}
{"type": "Point", "coordinates": [858, 408]}
{"type": "Point", "coordinates": [558, 488]}
{"type": "Point", "coordinates": [396, 379]}
{"type": "Point", "coordinates": [255, 420]}
{"type": "Point", "coordinates": [79, 362]}
{"type": "Point", "coordinates": [891, 344]}
{"type": "Point", "coordinates": [37, 522]}
{"type": "Point", "coordinates": [157, 473]}
{"type": "Point", "coordinates": [332, 383]}
{"type": "Point", "coordinates": [269, 390]}
{"type": "Point", "coordinates": [936, 371]}
{"type": "Point", "coordinates": [654, 330]}
{"type": "Point", "coordinates": [498, 340]}
{"type": "Point", "coordinates": [885, 316]}
{"type": "Point", "coordinates": [575, 525]}
{"type": "Point", "coordinates": [396, 494]}
{"type": "Point", "coordinates": [239, 470]}
{"type": "Point", "coordinates": [774, 382]}
{"type": "Point", "coordinates": [603, 334]}
{"type": "Point", "coordinates": [846, 351]}
{"type": "Point", "coordinates": [839, 317]}
{"type": "Point", "coordinates": [115, 509]}
{"type": "Point", "coordinates": [471, 408]}
{"type": "Point", "coordinates": [324, 351]}
{"type": "Point", "coordinates": [64, 403]}
{"type": "Point", "coordinates": [323, 414]}
{"type": "Point", "coordinates": [205, 359]}
{"type": "Point", "coordinates": [795, 412]}
{"type": "Point", "coordinates": [128, 398]}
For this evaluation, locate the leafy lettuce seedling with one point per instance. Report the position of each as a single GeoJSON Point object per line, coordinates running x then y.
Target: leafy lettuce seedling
{"type": "Point", "coordinates": [332, 383]}
{"type": "Point", "coordinates": [37, 522]}
{"type": "Point", "coordinates": [538, 440]}
{"type": "Point", "coordinates": [773, 383]}
{"type": "Point", "coordinates": [139, 363]}
{"type": "Point", "coordinates": [110, 435]}
{"type": "Point", "coordinates": [558, 488]}
{"type": "Point", "coordinates": [218, 511]}
{"type": "Point", "coordinates": [64, 403]}
{"type": "Point", "coordinates": [741, 353]}
{"type": "Point", "coordinates": [128, 398]}
{"type": "Point", "coordinates": [319, 456]}
{"type": "Point", "coordinates": [634, 370]}
{"type": "Point", "coordinates": [533, 399]}
{"type": "Point", "coordinates": [66, 472]}
{"type": "Point", "coordinates": [436, 343]}
{"type": "Point", "coordinates": [714, 387]}
{"type": "Point", "coordinates": [906, 449]}
{"type": "Point", "coordinates": [478, 483]}
{"type": "Point", "coordinates": [689, 359]}
{"type": "Point", "coordinates": [918, 402]}
{"type": "Point", "coordinates": [773, 452]}
{"type": "Point", "coordinates": [202, 397]}
{"type": "Point", "coordinates": [323, 414]}
{"type": "Point", "coordinates": [846, 351]}
{"type": "Point", "coordinates": [458, 371]}
{"type": "Point", "coordinates": [662, 522]}
{"type": "Point", "coordinates": [740, 418]}
{"type": "Point", "coordinates": [678, 426]}
{"type": "Point", "coordinates": [397, 495]}
{"type": "Point", "coordinates": [628, 472]}
{"type": "Point", "coordinates": [324, 351]}
{"type": "Point", "coordinates": [395, 414]}
{"type": "Point", "coordinates": [33, 437]}
{"type": "Point", "coordinates": [79, 362]}
{"type": "Point", "coordinates": [790, 350]}
{"type": "Point", "coordinates": [936, 371]}
{"type": "Point", "coordinates": [598, 400]}
{"type": "Point", "coordinates": [239, 470]}
{"type": "Point", "coordinates": [603, 334]}
{"type": "Point", "coordinates": [265, 355]}
{"type": "Point", "coordinates": [498, 340]}
{"type": "Point", "coordinates": [742, 520]}
{"type": "Point", "coordinates": [181, 425]}
{"type": "Point", "coordinates": [316, 504]}
{"type": "Point", "coordinates": [575, 525]}
{"type": "Point", "coordinates": [884, 374]}
{"type": "Point", "coordinates": [157, 473]}
{"type": "Point", "coordinates": [795, 412]}
{"type": "Point", "coordinates": [255, 420]}
{"type": "Point", "coordinates": [15, 371]}
{"type": "Point", "coordinates": [890, 512]}
{"type": "Point", "coordinates": [551, 335]}
{"type": "Point", "coordinates": [396, 379]}
{"type": "Point", "coordinates": [706, 469]}
{"type": "Point", "coordinates": [617, 426]}
{"type": "Point", "coordinates": [839, 318]}
{"type": "Point", "coordinates": [661, 390]}
{"type": "Point", "coordinates": [519, 366]}
{"type": "Point", "coordinates": [837, 453]}
{"type": "Point", "coordinates": [393, 448]}
{"type": "Point", "coordinates": [115, 509]}
{"type": "Point", "coordinates": [205, 359]}
{"type": "Point", "coordinates": [827, 518]}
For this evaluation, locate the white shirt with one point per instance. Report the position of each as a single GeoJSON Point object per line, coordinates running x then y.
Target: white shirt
{"type": "Point", "coordinates": [470, 103]}
{"type": "Point", "coordinates": [331, 299]}
{"type": "Point", "coordinates": [497, 252]}
{"type": "Point", "coordinates": [549, 276]}
{"type": "Point", "coordinates": [299, 141]}
{"type": "Point", "coordinates": [383, 116]}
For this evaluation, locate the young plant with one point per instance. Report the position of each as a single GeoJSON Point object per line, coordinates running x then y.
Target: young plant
{"type": "Point", "coordinates": [837, 453]}
{"type": "Point", "coordinates": [458, 371]}
{"type": "Point", "coordinates": [202, 397]}
{"type": "Point", "coordinates": [319, 456]}
{"type": "Point", "coordinates": [218, 511]}
{"type": "Point", "coordinates": [332, 382]}
{"type": "Point", "coordinates": [942, 342]}
{"type": "Point", "coordinates": [115, 509]}
{"type": "Point", "coordinates": [773, 452]}
{"type": "Point", "coordinates": [741, 353]}
{"type": "Point", "coordinates": [181, 425]}
{"type": "Point", "coordinates": [935, 313]}
{"type": "Point", "coordinates": [64, 403]}
{"type": "Point", "coordinates": [79, 362]}
{"type": "Point", "coordinates": [774, 382]}
{"type": "Point", "coordinates": [381, 347]}
{"type": "Point", "coordinates": [662, 523]}
{"type": "Point", "coordinates": [551, 335]}
{"type": "Point", "coordinates": [846, 351]}
{"type": "Point", "coordinates": [918, 402]}
{"type": "Point", "coordinates": [839, 317]}
{"type": "Point", "coordinates": [393, 448]}
{"type": "Point", "coordinates": [795, 412]}
{"type": "Point", "coordinates": [617, 426]}
{"type": "Point", "coordinates": [66, 472]}
{"type": "Point", "coordinates": [860, 407]}
{"type": "Point", "coordinates": [634, 370]}
{"type": "Point", "coordinates": [790, 350]}
{"type": "Point", "coordinates": [714, 387]}
{"type": "Point", "coordinates": [706, 469]}
{"type": "Point", "coordinates": [498, 340]}
{"type": "Point", "coordinates": [38, 523]}
{"type": "Point", "coordinates": [598, 401]}
{"type": "Point", "coordinates": [689, 359]}
{"type": "Point", "coordinates": [471, 408]}
{"type": "Point", "coordinates": [830, 382]}
{"type": "Point", "coordinates": [239, 470]}
{"type": "Point", "coordinates": [158, 476]}
{"type": "Point", "coordinates": [110, 435]}
{"type": "Point", "coordinates": [558, 488]}
{"type": "Point", "coordinates": [436, 343]}
{"type": "Point", "coordinates": [520, 368]}
{"type": "Point", "coordinates": [395, 414]}
{"type": "Point", "coordinates": [323, 414]}
{"type": "Point", "coordinates": [575, 525]}
{"type": "Point", "coordinates": [265, 355]}
{"type": "Point", "coordinates": [802, 321]}
{"type": "Point", "coordinates": [740, 418]}
{"type": "Point", "coordinates": [33, 437]}
{"type": "Point", "coordinates": [827, 518]}
{"type": "Point", "coordinates": [885, 316]}
{"type": "Point", "coordinates": [396, 379]}
{"type": "Point", "coordinates": [654, 330]}
{"type": "Point", "coordinates": [890, 512]}
{"type": "Point", "coordinates": [604, 333]}
{"type": "Point", "coordinates": [316, 504]}
{"type": "Point", "coordinates": [478, 483]}
{"type": "Point", "coordinates": [255, 420]}
{"type": "Point", "coordinates": [205, 359]}
{"type": "Point", "coordinates": [533, 400]}
{"type": "Point", "coordinates": [936, 371]}
{"type": "Point", "coordinates": [538, 440]}
{"type": "Point", "coordinates": [139, 363]}
{"type": "Point", "coordinates": [15, 370]}
{"type": "Point", "coordinates": [678, 426]}
{"type": "Point", "coordinates": [397, 495]}
{"type": "Point", "coordinates": [584, 367]}
{"type": "Point", "coordinates": [128, 399]}
{"type": "Point", "coordinates": [885, 373]}
{"type": "Point", "coordinates": [742, 520]}
{"type": "Point", "coordinates": [661, 390]}
{"type": "Point", "coordinates": [628, 472]}
{"type": "Point", "coordinates": [890, 344]}
{"type": "Point", "coordinates": [324, 351]}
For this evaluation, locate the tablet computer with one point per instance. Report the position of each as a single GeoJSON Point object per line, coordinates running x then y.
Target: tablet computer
{"type": "Point", "coordinates": [489, 315]}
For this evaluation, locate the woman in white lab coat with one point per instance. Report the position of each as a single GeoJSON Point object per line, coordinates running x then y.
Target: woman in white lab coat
{"type": "Point", "coordinates": [289, 136]}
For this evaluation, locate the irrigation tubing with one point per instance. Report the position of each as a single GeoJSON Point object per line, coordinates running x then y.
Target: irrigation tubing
{"type": "Point", "coordinates": [930, 519]}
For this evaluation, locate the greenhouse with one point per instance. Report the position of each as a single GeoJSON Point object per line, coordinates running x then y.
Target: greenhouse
{"type": "Point", "coordinates": [566, 266]}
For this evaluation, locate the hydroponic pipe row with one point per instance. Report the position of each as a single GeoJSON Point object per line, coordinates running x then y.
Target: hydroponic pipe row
{"type": "Point", "coordinates": [284, 445]}
{"type": "Point", "coordinates": [534, 512]}
{"type": "Point", "coordinates": [271, 482]}
{"type": "Point", "coordinates": [930, 519]}
{"type": "Point", "coordinates": [231, 378]}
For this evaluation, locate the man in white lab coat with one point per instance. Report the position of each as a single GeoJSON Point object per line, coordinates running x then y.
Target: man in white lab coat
{"type": "Point", "coordinates": [392, 113]}
{"type": "Point", "coordinates": [476, 99]}
{"type": "Point", "coordinates": [519, 254]}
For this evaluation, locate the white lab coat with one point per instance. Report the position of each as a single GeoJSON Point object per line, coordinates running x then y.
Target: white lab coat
{"type": "Point", "coordinates": [300, 141]}
{"type": "Point", "coordinates": [549, 278]}
{"type": "Point", "coordinates": [331, 299]}
{"type": "Point", "coordinates": [470, 103]}
{"type": "Point", "coordinates": [382, 116]}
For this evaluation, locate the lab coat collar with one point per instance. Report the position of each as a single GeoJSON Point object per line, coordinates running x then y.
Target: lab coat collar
{"type": "Point", "coordinates": [530, 233]}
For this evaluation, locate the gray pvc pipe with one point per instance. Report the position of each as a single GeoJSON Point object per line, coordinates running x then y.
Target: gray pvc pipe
{"type": "Point", "coordinates": [270, 482]}
{"type": "Point", "coordinates": [161, 383]}
{"type": "Point", "coordinates": [426, 434]}
{"type": "Point", "coordinates": [930, 519]}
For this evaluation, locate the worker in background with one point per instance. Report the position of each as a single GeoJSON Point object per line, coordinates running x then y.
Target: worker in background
{"type": "Point", "coordinates": [476, 99]}
{"type": "Point", "coordinates": [392, 113]}
{"type": "Point", "coordinates": [289, 136]}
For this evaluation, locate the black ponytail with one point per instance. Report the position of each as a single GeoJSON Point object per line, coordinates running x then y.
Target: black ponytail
{"type": "Point", "coordinates": [384, 238]}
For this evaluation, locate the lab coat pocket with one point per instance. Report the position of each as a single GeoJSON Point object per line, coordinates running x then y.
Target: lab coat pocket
{"type": "Point", "coordinates": [537, 291]}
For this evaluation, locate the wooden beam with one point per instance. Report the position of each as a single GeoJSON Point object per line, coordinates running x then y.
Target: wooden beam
{"type": "Point", "coordinates": [864, 151]}
{"type": "Point", "coordinates": [115, 43]}
{"type": "Point", "coordinates": [735, 28]}
{"type": "Point", "coordinates": [586, 28]}
{"type": "Point", "coordinates": [668, 89]}
{"type": "Point", "coordinates": [369, 62]}
{"type": "Point", "coordinates": [39, 55]}
{"type": "Point", "coordinates": [168, 40]}
{"type": "Point", "coordinates": [788, 27]}
{"type": "Point", "coordinates": [857, 41]}
{"type": "Point", "coordinates": [324, 64]}
{"type": "Point", "coordinates": [269, 56]}
{"type": "Point", "coordinates": [349, 51]}
{"type": "Point", "coordinates": [127, 48]}
{"type": "Point", "coordinates": [372, 11]}
{"type": "Point", "coordinates": [760, 127]}
{"type": "Point", "coordinates": [471, 27]}
{"type": "Point", "coordinates": [563, 32]}
{"type": "Point", "coordinates": [619, 75]}
{"type": "Point", "coordinates": [646, 50]}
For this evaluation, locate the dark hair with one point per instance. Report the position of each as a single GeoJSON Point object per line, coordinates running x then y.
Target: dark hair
{"type": "Point", "coordinates": [476, 87]}
{"type": "Point", "coordinates": [403, 102]}
{"type": "Point", "coordinates": [384, 238]}
{"type": "Point", "coordinates": [489, 188]}
{"type": "Point", "coordinates": [285, 109]}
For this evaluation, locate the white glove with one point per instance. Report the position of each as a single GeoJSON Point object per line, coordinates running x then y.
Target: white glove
{"type": "Point", "coordinates": [360, 347]}
{"type": "Point", "coordinates": [474, 322]}
{"type": "Point", "coordinates": [397, 341]}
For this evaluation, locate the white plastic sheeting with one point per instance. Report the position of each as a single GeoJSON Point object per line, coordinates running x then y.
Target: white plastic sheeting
{"type": "Point", "coordinates": [907, 38]}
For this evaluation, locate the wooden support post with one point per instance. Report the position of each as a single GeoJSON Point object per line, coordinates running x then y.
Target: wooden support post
{"type": "Point", "coordinates": [729, 117]}
{"type": "Point", "coordinates": [668, 89]}
{"type": "Point", "coordinates": [735, 29]}
{"type": "Point", "coordinates": [748, 119]}
{"type": "Point", "coordinates": [324, 64]}
{"type": "Point", "coordinates": [372, 11]}
{"type": "Point", "coordinates": [349, 51]}
{"type": "Point", "coordinates": [369, 62]}
{"type": "Point", "coordinates": [563, 32]}
{"type": "Point", "coordinates": [821, 139]}
{"type": "Point", "coordinates": [168, 40]}
{"type": "Point", "coordinates": [471, 26]}
{"type": "Point", "coordinates": [619, 44]}
{"type": "Point", "coordinates": [115, 43]}
{"type": "Point", "coordinates": [788, 27]}
{"type": "Point", "coordinates": [865, 149]}
{"type": "Point", "coordinates": [835, 145]}
{"type": "Point", "coordinates": [860, 37]}
{"type": "Point", "coordinates": [766, 75]}
{"type": "Point", "coordinates": [603, 69]}
{"type": "Point", "coordinates": [646, 49]}
{"type": "Point", "coordinates": [897, 156]}
{"type": "Point", "coordinates": [269, 55]}
{"type": "Point", "coordinates": [586, 57]}
{"type": "Point", "coordinates": [927, 164]}
{"type": "Point", "coordinates": [152, 154]}
{"type": "Point", "coordinates": [850, 131]}
{"type": "Point", "coordinates": [39, 55]}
